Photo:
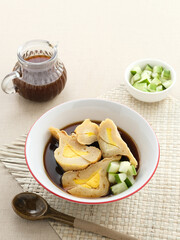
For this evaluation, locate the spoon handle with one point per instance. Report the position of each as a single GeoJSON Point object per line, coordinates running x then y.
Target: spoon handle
{"type": "Point", "coordinates": [106, 232]}
{"type": "Point", "coordinates": [59, 216]}
{"type": "Point", "coordinates": [86, 226]}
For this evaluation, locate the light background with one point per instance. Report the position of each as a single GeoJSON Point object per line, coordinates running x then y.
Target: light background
{"type": "Point", "coordinates": [97, 40]}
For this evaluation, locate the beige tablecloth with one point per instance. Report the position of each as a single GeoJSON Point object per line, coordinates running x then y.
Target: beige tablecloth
{"type": "Point", "coordinates": [97, 40]}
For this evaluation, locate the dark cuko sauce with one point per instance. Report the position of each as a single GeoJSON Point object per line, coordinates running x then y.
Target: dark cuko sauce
{"type": "Point", "coordinates": [55, 171]}
{"type": "Point", "coordinates": [41, 91]}
{"type": "Point", "coordinates": [38, 58]}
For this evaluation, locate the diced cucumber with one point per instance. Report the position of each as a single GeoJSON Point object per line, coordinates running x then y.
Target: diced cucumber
{"type": "Point", "coordinates": [141, 86]}
{"type": "Point", "coordinates": [120, 177]}
{"type": "Point", "coordinates": [129, 181]}
{"type": "Point", "coordinates": [113, 167]}
{"type": "Point", "coordinates": [163, 80]}
{"type": "Point", "coordinates": [156, 81]}
{"type": "Point", "coordinates": [166, 74]}
{"type": "Point", "coordinates": [132, 80]}
{"type": "Point", "coordinates": [119, 188]}
{"type": "Point", "coordinates": [159, 88]}
{"type": "Point", "coordinates": [150, 79]}
{"type": "Point", "coordinates": [149, 68]}
{"type": "Point", "coordinates": [135, 78]}
{"type": "Point", "coordinates": [157, 69]}
{"type": "Point", "coordinates": [146, 73]}
{"type": "Point", "coordinates": [167, 83]}
{"type": "Point", "coordinates": [132, 171]}
{"type": "Point", "coordinates": [135, 70]}
{"type": "Point", "coordinates": [146, 80]}
{"type": "Point", "coordinates": [111, 177]}
{"type": "Point", "coordinates": [155, 75]}
{"type": "Point", "coordinates": [124, 166]}
{"type": "Point", "coordinates": [152, 87]}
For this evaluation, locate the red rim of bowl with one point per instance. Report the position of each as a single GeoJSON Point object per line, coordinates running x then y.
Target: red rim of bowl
{"type": "Point", "coordinates": [94, 203]}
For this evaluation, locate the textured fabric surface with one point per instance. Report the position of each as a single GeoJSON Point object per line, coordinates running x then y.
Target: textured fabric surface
{"type": "Point", "coordinates": [153, 212]}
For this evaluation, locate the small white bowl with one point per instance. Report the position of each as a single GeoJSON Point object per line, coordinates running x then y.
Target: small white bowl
{"type": "Point", "coordinates": [70, 112]}
{"type": "Point", "coordinates": [148, 96]}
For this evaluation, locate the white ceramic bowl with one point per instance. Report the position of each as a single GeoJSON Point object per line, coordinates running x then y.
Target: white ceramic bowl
{"type": "Point", "coordinates": [148, 96]}
{"type": "Point", "coordinates": [70, 112]}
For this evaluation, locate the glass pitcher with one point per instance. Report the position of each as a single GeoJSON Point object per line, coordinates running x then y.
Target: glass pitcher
{"type": "Point", "coordinates": [38, 75]}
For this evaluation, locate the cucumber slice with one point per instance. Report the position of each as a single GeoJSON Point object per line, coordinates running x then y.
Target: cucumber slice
{"type": "Point", "coordinates": [111, 177]}
{"type": "Point", "coordinates": [152, 87]}
{"type": "Point", "coordinates": [149, 68]}
{"type": "Point", "coordinates": [129, 181]}
{"type": "Point", "coordinates": [147, 80]}
{"type": "Point", "coordinates": [119, 188]}
{"type": "Point", "coordinates": [163, 80]}
{"type": "Point", "coordinates": [135, 78]}
{"type": "Point", "coordinates": [157, 69]}
{"type": "Point", "coordinates": [146, 73]}
{"type": "Point", "coordinates": [132, 171]}
{"type": "Point", "coordinates": [150, 79]}
{"type": "Point", "coordinates": [167, 83]}
{"type": "Point", "coordinates": [135, 70]}
{"type": "Point", "coordinates": [166, 74]}
{"type": "Point", "coordinates": [132, 80]}
{"type": "Point", "coordinates": [141, 86]}
{"type": "Point", "coordinates": [120, 177]}
{"type": "Point", "coordinates": [159, 88]}
{"type": "Point", "coordinates": [156, 81]}
{"type": "Point", "coordinates": [155, 75]}
{"type": "Point", "coordinates": [124, 166]}
{"type": "Point", "coordinates": [113, 167]}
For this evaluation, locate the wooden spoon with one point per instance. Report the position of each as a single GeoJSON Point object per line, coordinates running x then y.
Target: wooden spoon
{"type": "Point", "coordinates": [33, 207]}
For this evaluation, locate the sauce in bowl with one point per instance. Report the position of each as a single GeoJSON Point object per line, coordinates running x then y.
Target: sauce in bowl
{"type": "Point", "coordinates": [54, 171]}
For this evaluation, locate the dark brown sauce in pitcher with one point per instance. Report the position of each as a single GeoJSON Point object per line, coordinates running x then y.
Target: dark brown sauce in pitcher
{"type": "Point", "coordinates": [39, 75]}
{"type": "Point", "coordinates": [55, 171]}
{"type": "Point", "coordinates": [37, 58]}
{"type": "Point", "coordinates": [40, 85]}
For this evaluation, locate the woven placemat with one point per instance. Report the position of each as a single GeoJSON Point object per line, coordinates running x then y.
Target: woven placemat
{"type": "Point", "coordinates": [151, 214]}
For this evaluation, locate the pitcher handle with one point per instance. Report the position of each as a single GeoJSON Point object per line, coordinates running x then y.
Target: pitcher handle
{"type": "Point", "coordinates": [7, 83]}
